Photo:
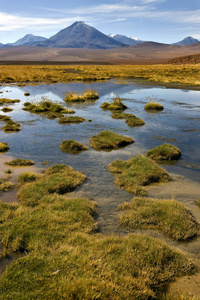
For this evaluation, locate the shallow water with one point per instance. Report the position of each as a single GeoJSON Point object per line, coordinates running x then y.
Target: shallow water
{"type": "Point", "coordinates": [40, 137]}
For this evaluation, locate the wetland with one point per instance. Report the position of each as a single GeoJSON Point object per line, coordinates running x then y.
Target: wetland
{"type": "Point", "coordinates": [39, 140]}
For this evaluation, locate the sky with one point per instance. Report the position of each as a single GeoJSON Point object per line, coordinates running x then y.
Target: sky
{"type": "Point", "coordinates": [164, 21]}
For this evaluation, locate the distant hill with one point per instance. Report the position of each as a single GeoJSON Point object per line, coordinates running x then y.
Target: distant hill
{"type": "Point", "coordinates": [80, 35]}
{"type": "Point", "coordinates": [187, 41]}
{"type": "Point", "coordinates": [188, 59]}
{"type": "Point", "coordinates": [27, 40]}
{"type": "Point", "coordinates": [125, 40]}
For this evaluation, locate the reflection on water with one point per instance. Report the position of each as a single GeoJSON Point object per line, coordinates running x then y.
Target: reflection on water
{"type": "Point", "coordinates": [40, 137]}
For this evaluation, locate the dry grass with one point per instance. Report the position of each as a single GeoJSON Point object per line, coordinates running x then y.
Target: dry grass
{"type": "Point", "coordinates": [115, 105]}
{"type": "Point", "coordinates": [154, 106]}
{"type": "Point", "coordinates": [169, 216]}
{"type": "Point", "coordinates": [186, 75]}
{"type": "Point", "coordinates": [81, 97]}
{"type": "Point", "coordinates": [4, 147]}
{"type": "Point", "coordinates": [108, 140]}
{"type": "Point", "coordinates": [5, 185]}
{"type": "Point", "coordinates": [131, 119]}
{"type": "Point", "coordinates": [70, 120]}
{"type": "Point", "coordinates": [164, 152]}
{"type": "Point", "coordinates": [20, 162]}
{"type": "Point", "coordinates": [138, 172]}
{"type": "Point", "coordinates": [71, 146]}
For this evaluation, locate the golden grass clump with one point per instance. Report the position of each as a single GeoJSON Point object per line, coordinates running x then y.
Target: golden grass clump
{"type": "Point", "coordinates": [164, 152]}
{"type": "Point", "coordinates": [20, 162]}
{"type": "Point", "coordinates": [71, 146]}
{"type": "Point", "coordinates": [153, 106]}
{"type": "Point", "coordinates": [131, 119]}
{"type": "Point", "coordinates": [58, 179]}
{"type": "Point", "coordinates": [10, 101]}
{"type": "Point", "coordinates": [81, 97]}
{"type": "Point", "coordinates": [169, 216]}
{"type": "Point", "coordinates": [70, 120]}
{"type": "Point", "coordinates": [4, 147]}
{"type": "Point", "coordinates": [108, 140]}
{"type": "Point", "coordinates": [7, 109]}
{"type": "Point", "coordinates": [137, 172]}
{"type": "Point", "coordinates": [115, 105]}
{"type": "Point", "coordinates": [5, 185]}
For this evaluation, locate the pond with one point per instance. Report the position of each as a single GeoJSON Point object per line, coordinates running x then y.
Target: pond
{"type": "Point", "coordinates": [40, 138]}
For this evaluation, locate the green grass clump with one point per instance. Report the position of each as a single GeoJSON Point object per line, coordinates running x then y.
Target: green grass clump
{"type": "Point", "coordinates": [71, 146]}
{"type": "Point", "coordinates": [164, 152]}
{"type": "Point", "coordinates": [20, 162]}
{"type": "Point", "coordinates": [5, 185]}
{"type": "Point", "coordinates": [11, 126]}
{"type": "Point", "coordinates": [132, 267]}
{"type": "Point", "coordinates": [69, 120]}
{"type": "Point", "coordinates": [117, 105]}
{"type": "Point", "coordinates": [27, 177]}
{"type": "Point", "coordinates": [80, 97]}
{"type": "Point", "coordinates": [58, 179]}
{"type": "Point", "coordinates": [48, 108]}
{"type": "Point", "coordinates": [7, 109]}
{"type": "Point", "coordinates": [108, 140]}
{"type": "Point", "coordinates": [138, 172]}
{"type": "Point", "coordinates": [131, 119]}
{"type": "Point", "coordinates": [154, 106]}
{"type": "Point", "coordinates": [169, 216]}
{"type": "Point", "coordinates": [4, 147]}
{"type": "Point", "coordinates": [5, 100]}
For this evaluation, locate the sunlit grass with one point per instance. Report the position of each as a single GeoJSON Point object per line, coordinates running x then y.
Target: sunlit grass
{"type": "Point", "coordinates": [186, 75]}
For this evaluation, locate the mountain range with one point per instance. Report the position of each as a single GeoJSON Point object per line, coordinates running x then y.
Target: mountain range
{"type": "Point", "coordinates": [81, 35]}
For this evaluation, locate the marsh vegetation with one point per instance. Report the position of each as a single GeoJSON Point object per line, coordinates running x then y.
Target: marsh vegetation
{"type": "Point", "coordinates": [169, 216]}
{"type": "Point", "coordinates": [136, 173]}
{"type": "Point", "coordinates": [70, 120]}
{"type": "Point", "coordinates": [164, 152]}
{"type": "Point", "coordinates": [108, 140]}
{"type": "Point", "coordinates": [20, 162]}
{"type": "Point", "coordinates": [115, 105]}
{"type": "Point", "coordinates": [4, 147]}
{"type": "Point", "coordinates": [71, 146]}
{"type": "Point", "coordinates": [131, 119]}
{"type": "Point", "coordinates": [81, 97]}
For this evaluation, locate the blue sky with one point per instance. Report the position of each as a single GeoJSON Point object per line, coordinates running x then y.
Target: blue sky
{"type": "Point", "coordinates": [165, 21]}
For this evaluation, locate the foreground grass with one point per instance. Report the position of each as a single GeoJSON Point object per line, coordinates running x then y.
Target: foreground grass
{"type": "Point", "coordinates": [131, 119]}
{"type": "Point", "coordinates": [71, 146]}
{"type": "Point", "coordinates": [108, 140]}
{"type": "Point", "coordinates": [136, 173]}
{"type": "Point", "coordinates": [66, 259]}
{"type": "Point", "coordinates": [186, 75]}
{"type": "Point", "coordinates": [5, 185]}
{"type": "Point", "coordinates": [85, 267]}
{"type": "Point", "coordinates": [58, 179]}
{"type": "Point", "coordinates": [169, 216]}
{"type": "Point", "coordinates": [164, 152]}
{"type": "Point", "coordinates": [81, 97]}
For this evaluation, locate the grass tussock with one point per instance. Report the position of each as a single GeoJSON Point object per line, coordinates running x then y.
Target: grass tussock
{"type": "Point", "coordinates": [115, 105]}
{"type": "Point", "coordinates": [131, 119]}
{"type": "Point", "coordinates": [10, 126]}
{"type": "Point", "coordinates": [4, 147]}
{"type": "Point", "coordinates": [153, 106]}
{"type": "Point", "coordinates": [71, 146]}
{"type": "Point", "coordinates": [59, 179]}
{"type": "Point", "coordinates": [81, 97]}
{"type": "Point", "coordinates": [28, 177]}
{"type": "Point", "coordinates": [5, 185]}
{"type": "Point", "coordinates": [8, 101]}
{"type": "Point", "coordinates": [20, 162]}
{"type": "Point", "coordinates": [138, 172]}
{"type": "Point", "coordinates": [7, 109]}
{"type": "Point", "coordinates": [48, 108]}
{"type": "Point", "coordinates": [84, 267]}
{"type": "Point", "coordinates": [164, 152]}
{"type": "Point", "coordinates": [108, 140]}
{"type": "Point", "coordinates": [70, 120]}
{"type": "Point", "coordinates": [169, 216]}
